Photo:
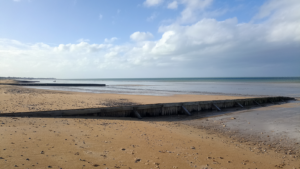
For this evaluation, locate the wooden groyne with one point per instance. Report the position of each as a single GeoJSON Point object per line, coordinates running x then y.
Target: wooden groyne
{"type": "Point", "coordinates": [162, 109]}
{"type": "Point", "coordinates": [53, 84]}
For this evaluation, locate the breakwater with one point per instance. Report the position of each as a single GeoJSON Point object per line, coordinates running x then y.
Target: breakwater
{"type": "Point", "coordinates": [161, 109]}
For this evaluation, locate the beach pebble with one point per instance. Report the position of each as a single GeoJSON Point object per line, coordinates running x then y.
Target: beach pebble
{"type": "Point", "coordinates": [137, 160]}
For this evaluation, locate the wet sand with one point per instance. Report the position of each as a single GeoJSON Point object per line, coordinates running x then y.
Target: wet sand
{"type": "Point", "coordinates": [98, 142]}
{"type": "Point", "coordinates": [263, 129]}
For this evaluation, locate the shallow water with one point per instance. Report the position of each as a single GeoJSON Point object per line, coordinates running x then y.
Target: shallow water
{"type": "Point", "coordinates": [169, 86]}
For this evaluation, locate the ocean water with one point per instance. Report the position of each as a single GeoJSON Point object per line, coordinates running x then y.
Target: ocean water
{"type": "Point", "coordinates": [267, 86]}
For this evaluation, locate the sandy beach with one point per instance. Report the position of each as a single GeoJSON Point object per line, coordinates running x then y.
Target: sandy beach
{"type": "Point", "coordinates": [98, 142]}
{"type": "Point", "coordinates": [21, 99]}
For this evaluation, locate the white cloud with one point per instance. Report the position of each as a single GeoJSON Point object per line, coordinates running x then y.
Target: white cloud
{"type": "Point", "coordinates": [283, 19]}
{"type": "Point", "coordinates": [111, 40]}
{"type": "Point", "coordinates": [173, 5]}
{"type": "Point", "coordinates": [141, 36]}
{"type": "Point", "coordinates": [278, 7]}
{"type": "Point", "coordinates": [193, 8]}
{"type": "Point", "coordinates": [152, 2]}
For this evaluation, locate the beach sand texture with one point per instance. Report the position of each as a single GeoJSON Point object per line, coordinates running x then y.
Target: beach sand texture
{"type": "Point", "coordinates": [98, 142]}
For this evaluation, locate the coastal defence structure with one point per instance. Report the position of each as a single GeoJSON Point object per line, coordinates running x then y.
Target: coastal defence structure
{"type": "Point", "coordinates": [161, 109]}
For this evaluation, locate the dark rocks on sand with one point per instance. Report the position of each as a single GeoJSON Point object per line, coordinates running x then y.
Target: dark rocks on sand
{"type": "Point", "coordinates": [137, 160]}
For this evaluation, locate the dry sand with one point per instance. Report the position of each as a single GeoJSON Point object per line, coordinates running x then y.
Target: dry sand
{"type": "Point", "coordinates": [97, 142]}
{"type": "Point", "coordinates": [20, 99]}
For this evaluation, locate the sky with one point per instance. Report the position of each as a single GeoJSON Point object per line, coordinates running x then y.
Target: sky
{"type": "Point", "coordinates": [149, 38]}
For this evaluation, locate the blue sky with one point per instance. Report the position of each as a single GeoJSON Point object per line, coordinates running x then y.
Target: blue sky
{"type": "Point", "coordinates": [150, 38]}
{"type": "Point", "coordinates": [56, 21]}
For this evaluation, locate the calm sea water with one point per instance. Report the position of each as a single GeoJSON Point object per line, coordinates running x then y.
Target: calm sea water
{"type": "Point", "coordinates": [267, 86]}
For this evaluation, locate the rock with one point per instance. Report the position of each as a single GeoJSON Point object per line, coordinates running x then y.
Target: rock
{"type": "Point", "coordinates": [193, 147]}
{"type": "Point", "coordinates": [137, 160]}
{"type": "Point", "coordinates": [42, 152]}
{"type": "Point", "coordinates": [232, 118]}
{"type": "Point", "coordinates": [27, 159]}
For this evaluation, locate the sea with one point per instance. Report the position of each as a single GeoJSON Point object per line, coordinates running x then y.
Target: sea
{"type": "Point", "coordinates": [241, 86]}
